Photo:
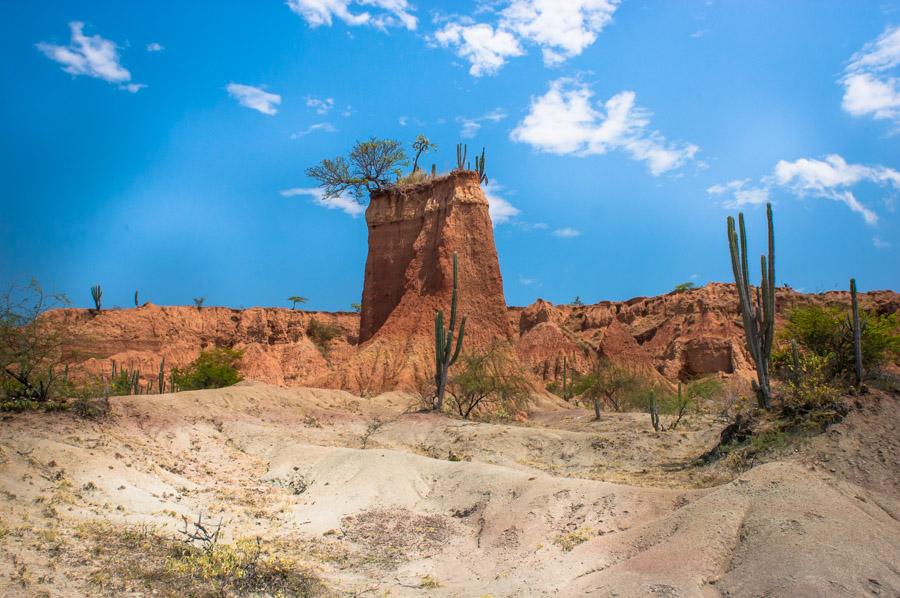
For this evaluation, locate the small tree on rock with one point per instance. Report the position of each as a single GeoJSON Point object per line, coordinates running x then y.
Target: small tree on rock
{"type": "Point", "coordinates": [372, 165]}
{"type": "Point", "coordinates": [295, 300]}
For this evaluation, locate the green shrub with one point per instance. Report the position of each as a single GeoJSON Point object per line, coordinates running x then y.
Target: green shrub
{"type": "Point", "coordinates": [215, 368]}
{"type": "Point", "coordinates": [826, 332]}
{"type": "Point", "coordinates": [488, 381]}
{"type": "Point", "coordinates": [321, 333]}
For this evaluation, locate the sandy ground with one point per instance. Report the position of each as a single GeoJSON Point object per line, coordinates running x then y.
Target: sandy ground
{"type": "Point", "coordinates": [378, 498]}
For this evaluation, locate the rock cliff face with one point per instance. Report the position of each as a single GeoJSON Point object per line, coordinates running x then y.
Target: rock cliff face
{"type": "Point", "coordinates": [675, 337]}
{"type": "Point", "coordinates": [413, 234]}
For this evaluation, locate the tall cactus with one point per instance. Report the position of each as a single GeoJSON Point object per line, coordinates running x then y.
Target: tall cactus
{"type": "Point", "coordinates": [137, 302]}
{"type": "Point", "coordinates": [479, 167]}
{"type": "Point", "coordinates": [461, 151]}
{"type": "Point", "coordinates": [162, 376]}
{"type": "Point", "coordinates": [565, 394]}
{"type": "Point", "coordinates": [857, 333]}
{"type": "Point", "coordinates": [444, 353]}
{"type": "Point", "coordinates": [96, 295]}
{"type": "Point", "coordinates": [759, 320]}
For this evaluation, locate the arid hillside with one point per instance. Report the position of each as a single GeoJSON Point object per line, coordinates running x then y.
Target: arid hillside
{"type": "Point", "coordinates": [364, 497]}
{"type": "Point", "coordinates": [676, 336]}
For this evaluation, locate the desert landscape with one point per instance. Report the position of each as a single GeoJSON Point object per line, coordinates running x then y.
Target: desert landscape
{"type": "Point", "coordinates": [464, 429]}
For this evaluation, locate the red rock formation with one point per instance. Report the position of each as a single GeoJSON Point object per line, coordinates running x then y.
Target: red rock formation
{"type": "Point", "coordinates": [413, 233]}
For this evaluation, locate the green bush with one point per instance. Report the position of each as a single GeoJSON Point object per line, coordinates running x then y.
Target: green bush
{"type": "Point", "coordinates": [215, 368]}
{"type": "Point", "coordinates": [321, 333]}
{"type": "Point", "coordinates": [490, 381]}
{"type": "Point", "coordinates": [826, 332]}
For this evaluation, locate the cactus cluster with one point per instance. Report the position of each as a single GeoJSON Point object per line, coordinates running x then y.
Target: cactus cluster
{"type": "Point", "coordinates": [758, 319]}
{"type": "Point", "coordinates": [445, 355]}
{"type": "Point", "coordinates": [123, 381]}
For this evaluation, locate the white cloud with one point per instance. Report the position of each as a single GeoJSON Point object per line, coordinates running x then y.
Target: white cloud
{"type": "Point", "coordinates": [93, 56]}
{"type": "Point", "coordinates": [321, 106]}
{"type": "Point", "coordinates": [561, 29]}
{"type": "Point", "coordinates": [317, 127]}
{"type": "Point", "coordinates": [526, 281]}
{"type": "Point", "coordinates": [741, 194]}
{"type": "Point", "coordinates": [155, 47]}
{"type": "Point", "coordinates": [485, 48]}
{"type": "Point", "coordinates": [346, 204]}
{"type": "Point", "coordinates": [563, 121]}
{"type": "Point", "coordinates": [255, 98]}
{"type": "Point", "coordinates": [870, 87]}
{"type": "Point", "coordinates": [499, 208]}
{"type": "Point", "coordinates": [471, 126]}
{"type": "Point", "coordinates": [403, 121]}
{"type": "Point", "coordinates": [391, 13]}
{"type": "Point", "coordinates": [880, 243]}
{"type": "Point", "coordinates": [832, 178]}
{"type": "Point", "coordinates": [567, 233]}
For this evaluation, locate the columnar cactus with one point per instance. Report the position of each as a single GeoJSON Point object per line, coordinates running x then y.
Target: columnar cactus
{"type": "Point", "coordinates": [759, 320]}
{"type": "Point", "coordinates": [857, 333]}
{"type": "Point", "coordinates": [162, 376]}
{"type": "Point", "coordinates": [479, 167]}
{"type": "Point", "coordinates": [137, 302]}
{"type": "Point", "coordinates": [461, 151]}
{"type": "Point", "coordinates": [445, 354]}
{"type": "Point", "coordinates": [96, 295]}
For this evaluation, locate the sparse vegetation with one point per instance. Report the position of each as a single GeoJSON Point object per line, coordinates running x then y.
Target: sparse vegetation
{"type": "Point", "coordinates": [322, 333]}
{"type": "Point", "coordinates": [606, 382]}
{"type": "Point", "coordinates": [569, 540]}
{"type": "Point", "coordinates": [32, 371]}
{"type": "Point", "coordinates": [684, 286]}
{"type": "Point", "coordinates": [296, 300]}
{"type": "Point", "coordinates": [828, 333]}
{"type": "Point", "coordinates": [488, 381]}
{"type": "Point", "coordinates": [214, 368]}
{"type": "Point", "coordinates": [421, 146]}
{"type": "Point", "coordinates": [357, 307]}
{"type": "Point", "coordinates": [198, 302]}
{"type": "Point", "coordinates": [144, 560]}
{"type": "Point", "coordinates": [372, 166]}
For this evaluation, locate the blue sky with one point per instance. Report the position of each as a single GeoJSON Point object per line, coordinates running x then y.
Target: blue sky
{"type": "Point", "coordinates": [161, 146]}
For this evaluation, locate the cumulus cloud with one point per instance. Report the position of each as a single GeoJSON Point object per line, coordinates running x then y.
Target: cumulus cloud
{"type": "Point", "coordinates": [345, 203]}
{"type": "Point", "coordinates": [741, 193]}
{"type": "Point", "coordinates": [564, 121]}
{"type": "Point", "coordinates": [386, 13]}
{"type": "Point", "coordinates": [92, 56]}
{"type": "Point", "coordinates": [560, 29]}
{"type": "Point", "coordinates": [321, 106]}
{"type": "Point", "coordinates": [255, 98]}
{"type": "Point", "coordinates": [485, 48]}
{"type": "Point", "coordinates": [870, 85]}
{"type": "Point", "coordinates": [567, 233]}
{"type": "Point", "coordinates": [155, 47]}
{"type": "Point", "coordinates": [317, 127]}
{"type": "Point", "coordinates": [471, 126]}
{"type": "Point", "coordinates": [832, 178]}
{"type": "Point", "coordinates": [499, 208]}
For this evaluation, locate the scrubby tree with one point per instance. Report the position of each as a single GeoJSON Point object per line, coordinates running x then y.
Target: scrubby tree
{"type": "Point", "coordinates": [198, 302]}
{"type": "Point", "coordinates": [488, 381]}
{"type": "Point", "coordinates": [685, 286]}
{"type": "Point", "coordinates": [421, 146]}
{"type": "Point", "coordinates": [357, 307]}
{"type": "Point", "coordinates": [31, 348]}
{"type": "Point", "coordinates": [606, 382]}
{"type": "Point", "coordinates": [296, 299]}
{"type": "Point", "coordinates": [372, 165]}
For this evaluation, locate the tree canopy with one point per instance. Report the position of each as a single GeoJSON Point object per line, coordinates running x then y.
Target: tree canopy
{"type": "Point", "coordinates": [369, 167]}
